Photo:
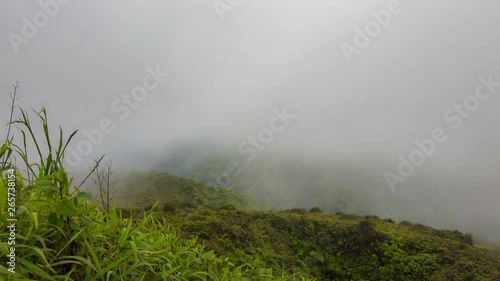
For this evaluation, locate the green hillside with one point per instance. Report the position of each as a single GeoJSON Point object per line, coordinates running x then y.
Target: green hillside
{"type": "Point", "coordinates": [286, 181]}
{"type": "Point", "coordinates": [310, 243]}
{"type": "Point", "coordinates": [341, 247]}
{"type": "Point", "coordinates": [143, 189]}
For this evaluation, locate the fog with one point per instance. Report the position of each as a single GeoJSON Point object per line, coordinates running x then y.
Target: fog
{"type": "Point", "coordinates": [231, 66]}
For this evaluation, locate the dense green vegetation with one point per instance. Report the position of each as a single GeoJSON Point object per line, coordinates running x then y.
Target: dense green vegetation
{"type": "Point", "coordinates": [341, 247]}
{"type": "Point", "coordinates": [172, 228]}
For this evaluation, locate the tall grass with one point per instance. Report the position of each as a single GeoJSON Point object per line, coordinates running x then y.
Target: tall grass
{"type": "Point", "coordinates": [61, 234]}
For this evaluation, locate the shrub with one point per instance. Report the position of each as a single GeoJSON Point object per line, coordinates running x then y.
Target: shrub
{"type": "Point", "coordinates": [389, 220]}
{"type": "Point", "coordinates": [297, 211]}
{"type": "Point", "coordinates": [169, 208]}
{"type": "Point", "coordinates": [315, 210]}
{"type": "Point", "coordinates": [228, 207]}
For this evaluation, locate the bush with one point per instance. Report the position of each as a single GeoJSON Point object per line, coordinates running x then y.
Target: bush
{"type": "Point", "coordinates": [297, 210]}
{"type": "Point", "coordinates": [169, 208]}
{"type": "Point", "coordinates": [228, 207]}
{"type": "Point", "coordinates": [315, 210]}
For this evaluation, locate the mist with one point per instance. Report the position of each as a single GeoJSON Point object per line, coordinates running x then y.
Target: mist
{"type": "Point", "coordinates": [218, 73]}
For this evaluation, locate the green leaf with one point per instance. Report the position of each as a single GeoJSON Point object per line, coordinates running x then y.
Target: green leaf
{"type": "Point", "coordinates": [82, 260]}
{"type": "Point", "coordinates": [35, 269]}
{"type": "Point", "coordinates": [65, 189]}
{"type": "Point", "coordinates": [49, 162]}
{"type": "Point", "coordinates": [74, 225]}
{"type": "Point", "coordinates": [5, 153]}
{"type": "Point", "coordinates": [67, 208]}
{"type": "Point", "coordinates": [44, 184]}
{"type": "Point", "coordinates": [35, 219]}
{"type": "Point", "coordinates": [3, 149]}
{"type": "Point", "coordinates": [84, 196]}
{"type": "Point", "coordinates": [51, 192]}
{"type": "Point", "coordinates": [53, 219]}
{"type": "Point", "coordinates": [61, 176]}
{"type": "Point", "coordinates": [19, 182]}
{"type": "Point", "coordinates": [86, 220]}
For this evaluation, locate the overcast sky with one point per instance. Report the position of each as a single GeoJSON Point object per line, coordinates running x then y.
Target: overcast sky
{"type": "Point", "coordinates": [230, 65]}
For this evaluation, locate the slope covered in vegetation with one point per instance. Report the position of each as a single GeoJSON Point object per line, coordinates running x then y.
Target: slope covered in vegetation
{"type": "Point", "coordinates": [143, 189]}
{"type": "Point", "coordinates": [310, 243]}
{"type": "Point", "coordinates": [340, 247]}
{"type": "Point", "coordinates": [285, 180]}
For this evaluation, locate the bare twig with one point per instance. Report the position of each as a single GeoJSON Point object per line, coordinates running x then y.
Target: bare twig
{"type": "Point", "coordinates": [14, 98]}
{"type": "Point", "coordinates": [92, 171]}
{"type": "Point", "coordinates": [105, 185]}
